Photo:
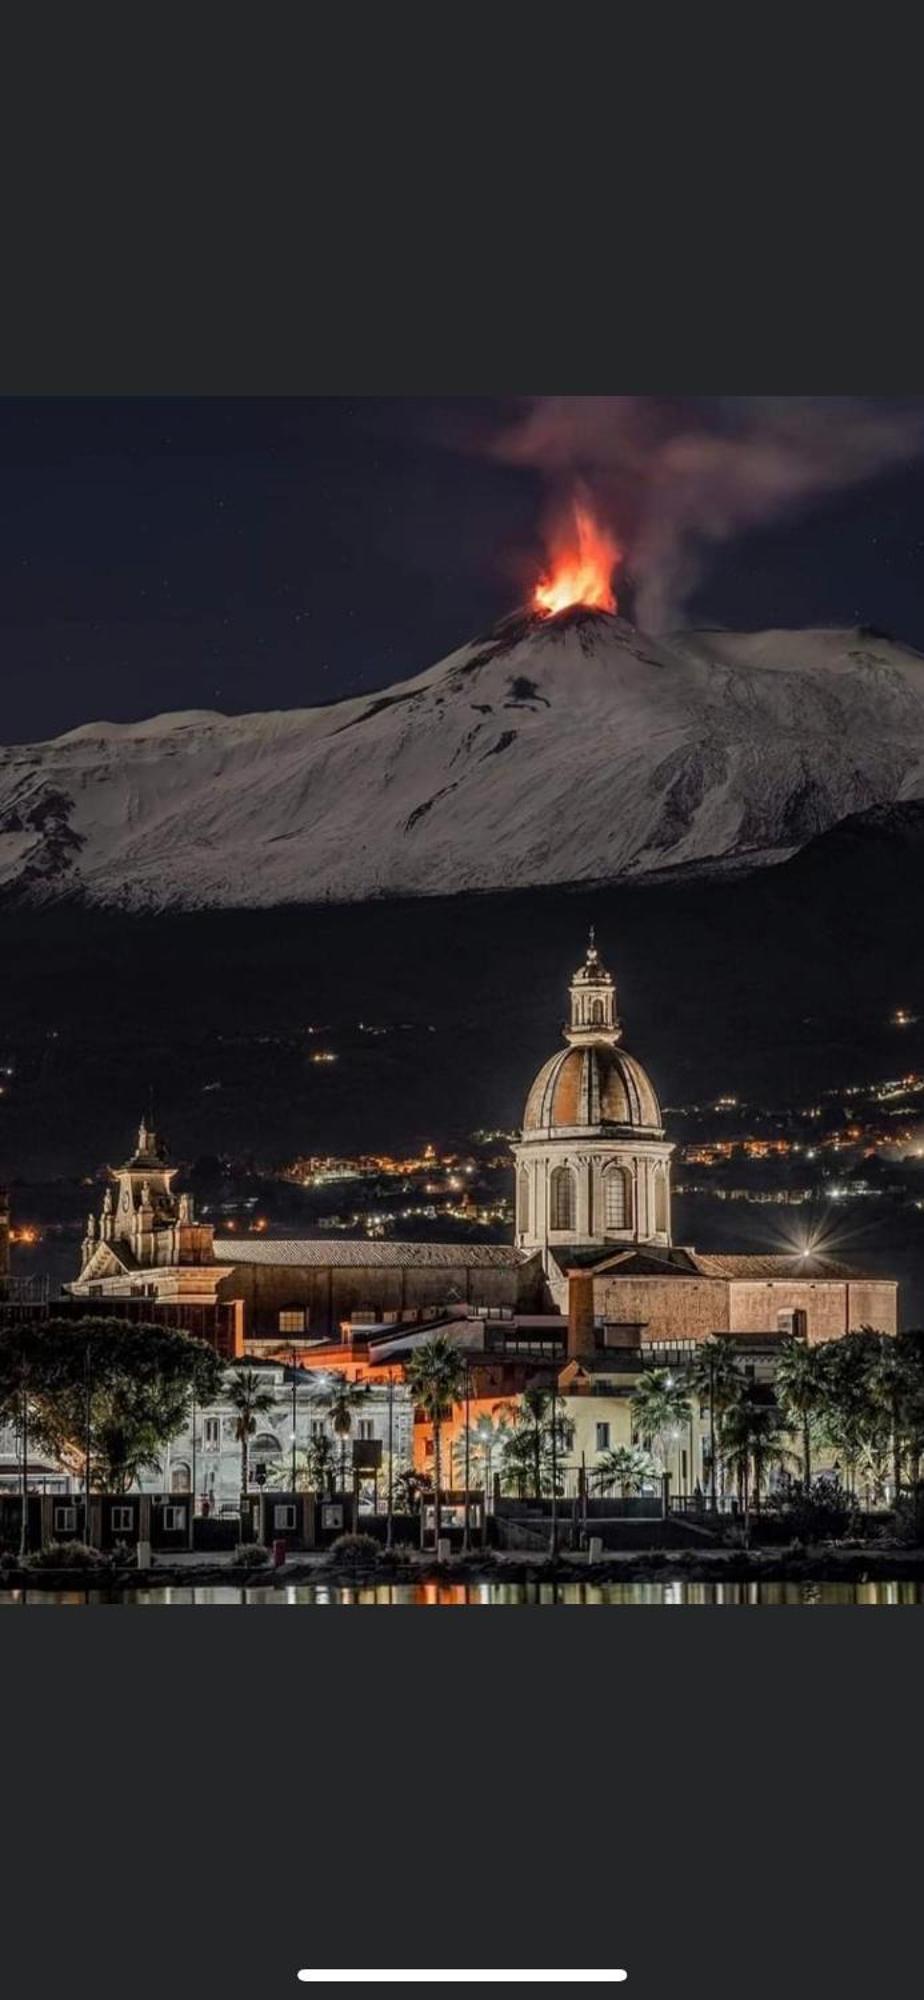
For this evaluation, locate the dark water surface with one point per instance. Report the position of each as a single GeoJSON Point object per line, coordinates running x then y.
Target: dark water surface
{"type": "Point", "coordinates": [494, 1593]}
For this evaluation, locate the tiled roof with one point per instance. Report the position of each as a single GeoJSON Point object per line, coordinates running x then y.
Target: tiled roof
{"type": "Point", "coordinates": [347, 1252]}
{"type": "Point", "coordinates": [745, 1266]}
{"type": "Point", "coordinates": [680, 1262]}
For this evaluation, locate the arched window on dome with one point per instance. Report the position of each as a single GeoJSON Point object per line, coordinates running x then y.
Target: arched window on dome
{"type": "Point", "coordinates": [562, 1199]}
{"type": "Point", "coordinates": [617, 1198]}
{"type": "Point", "coordinates": [660, 1201]}
{"type": "Point", "coordinates": [596, 1013]}
{"type": "Point", "coordinates": [523, 1202]}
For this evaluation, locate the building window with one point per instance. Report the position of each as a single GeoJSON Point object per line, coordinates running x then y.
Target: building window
{"type": "Point", "coordinates": [365, 1428]}
{"type": "Point", "coordinates": [179, 1479]}
{"type": "Point", "coordinates": [523, 1202]}
{"type": "Point", "coordinates": [318, 1427]}
{"type": "Point", "coordinates": [174, 1519]}
{"type": "Point", "coordinates": [65, 1520]}
{"type": "Point", "coordinates": [292, 1320]}
{"type": "Point", "coordinates": [616, 1198]}
{"type": "Point", "coordinates": [660, 1201]}
{"type": "Point", "coordinates": [562, 1198]}
{"type": "Point", "coordinates": [211, 1433]}
{"type": "Point", "coordinates": [264, 1449]}
{"type": "Point", "coordinates": [603, 1437]}
{"type": "Point", "coordinates": [121, 1520]}
{"type": "Point", "coordinates": [283, 1517]}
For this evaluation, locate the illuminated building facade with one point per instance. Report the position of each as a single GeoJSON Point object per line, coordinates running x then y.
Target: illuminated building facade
{"type": "Point", "coordinates": [592, 1163]}
{"type": "Point", "coordinates": [594, 1201]}
{"type": "Point", "coordinates": [591, 1292]}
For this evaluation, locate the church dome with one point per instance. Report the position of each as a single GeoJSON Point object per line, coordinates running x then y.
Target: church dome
{"type": "Point", "coordinates": [592, 1088]}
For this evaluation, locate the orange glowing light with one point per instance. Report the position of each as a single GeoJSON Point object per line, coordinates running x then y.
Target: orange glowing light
{"type": "Point", "coordinates": [581, 571]}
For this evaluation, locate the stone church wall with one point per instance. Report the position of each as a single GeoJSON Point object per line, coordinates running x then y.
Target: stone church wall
{"type": "Point", "coordinates": [667, 1308]}
{"type": "Point", "coordinates": [331, 1293]}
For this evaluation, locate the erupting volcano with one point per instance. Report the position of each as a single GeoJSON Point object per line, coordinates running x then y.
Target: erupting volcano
{"type": "Point", "coordinates": [560, 746]}
{"type": "Point", "coordinates": [582, 566]}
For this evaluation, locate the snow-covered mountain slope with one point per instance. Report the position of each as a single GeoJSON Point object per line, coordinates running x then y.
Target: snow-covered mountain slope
{"type": "Point", "coordinates": [557, 750]}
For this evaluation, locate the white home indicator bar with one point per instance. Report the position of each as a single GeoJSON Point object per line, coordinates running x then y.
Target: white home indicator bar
{"type": "Point", "coordinates": [460, 1978]}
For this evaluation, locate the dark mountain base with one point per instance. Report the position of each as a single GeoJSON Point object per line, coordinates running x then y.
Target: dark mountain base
{"type": "Point", "coordinates": [770, 987]}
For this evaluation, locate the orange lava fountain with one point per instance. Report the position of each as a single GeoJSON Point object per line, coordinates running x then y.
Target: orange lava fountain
{"type": "Point", "coordinates": [581, 570]}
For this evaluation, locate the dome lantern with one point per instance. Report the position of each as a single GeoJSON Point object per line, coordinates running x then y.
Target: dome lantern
{"type": "Point", "coordinates": [593, 1000]}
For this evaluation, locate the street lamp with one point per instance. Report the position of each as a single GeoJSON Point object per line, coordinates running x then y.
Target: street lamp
{"type": "Point", "coordinates": [390, 1523]}
{"type": "Point", "coordinates": [465, 1530]}
{"type": "Point", "coordinates": [294, 1408]}
{"type": "Point", "coordinates": [89, 1419]}
{"type": "Point", "coordinates": [553, 1530]}
{"type": "Point", "coordinates": [192, 1483]}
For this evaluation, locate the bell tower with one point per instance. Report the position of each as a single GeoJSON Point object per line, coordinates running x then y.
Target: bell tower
{"type": "Point", "coordinates": [141, 1215]}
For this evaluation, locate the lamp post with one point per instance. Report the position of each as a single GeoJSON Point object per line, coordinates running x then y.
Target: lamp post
{"type": "Point", "coordinates": [89, 1420]}
{"type": "Point", "coordinates": [390, 1523]}
{"type": "Point", "coordinates": [712, 1463]}
{"type": "Point", "coordinates": [465, 1530]}
{"type": "Point", "coordinates": [192, 1483]}
{"type": "Point", "coordinates": [24, 1428]}
{"type": "Point", "coordinates": [553, 1529]}
{"type": "Point", "coordinates": [294, 1410]}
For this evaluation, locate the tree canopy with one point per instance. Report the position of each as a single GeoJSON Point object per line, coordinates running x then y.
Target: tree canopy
{"type": "Point", "coordinates": [128, 1383]}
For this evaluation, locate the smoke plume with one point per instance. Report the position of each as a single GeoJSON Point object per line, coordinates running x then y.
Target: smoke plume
{"type": "Point", "coordinates": [674, 478]}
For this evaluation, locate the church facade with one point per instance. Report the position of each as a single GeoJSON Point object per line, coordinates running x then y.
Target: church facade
{"type": "Point", "coordinates": [593, 1214]}
{"type": "Point", "coordinates": [593, 1199]}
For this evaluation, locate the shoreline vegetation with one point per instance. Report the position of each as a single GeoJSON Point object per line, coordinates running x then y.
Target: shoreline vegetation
{"type": "Point", "coordinates": [887, 1562]}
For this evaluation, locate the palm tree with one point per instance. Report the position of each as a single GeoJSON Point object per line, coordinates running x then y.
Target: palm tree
{"type": "Point", "coordinates": [626, 1466]}
{"type": "Point", "coordinates": [409, 1489]}
{"type": "Point", "coordinates": [517, 1460]}
{"type": "Point", "coordinates": [435, 1375]}
{"type": "Point", "coordinates": [714, 1377]}
{"type": "Point", "coordinates": [890, 1386]}
{"type": "Point", "coordinates": [344, 1398]}
{"type": "Point", "coordinates": [871, 1466]}
{"type": "Point", "coordinates": [485, 1436]}
{"type": "Point", "coordinates": [249, 1400]}
{"type": "Point", "coordinates": [751, 1441]}
{"type": "Point", "coordinates": [660, 1404]}
{"type": "Point", "coordinates": [535, 1403]}
{"type": "Point", "coordinates": [314, 1469]}
{"type": "Point", "coordinates": [801, 1391]}
{"type": "Point", "coordinates": [855, 1415]}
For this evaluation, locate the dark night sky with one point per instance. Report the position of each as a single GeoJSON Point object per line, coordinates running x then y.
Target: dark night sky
{"type": "Point", "coordinates": [158, 555]}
